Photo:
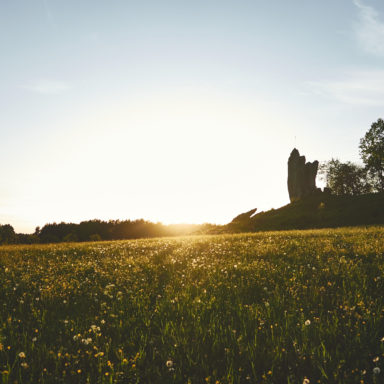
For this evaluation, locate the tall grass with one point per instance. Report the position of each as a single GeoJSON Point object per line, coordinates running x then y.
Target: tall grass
{"type": "Point", "coordinates": [276, 307]}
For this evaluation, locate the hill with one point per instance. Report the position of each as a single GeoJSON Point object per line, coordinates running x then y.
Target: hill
{"type": "Point", "coordinates": [316, 211]}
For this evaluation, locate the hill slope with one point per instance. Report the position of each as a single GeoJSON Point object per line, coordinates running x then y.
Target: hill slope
{"type": "Point", "coordinates": [317, 211]}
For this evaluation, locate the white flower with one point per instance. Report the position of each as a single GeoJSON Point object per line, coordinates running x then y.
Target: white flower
{"type": "Point", "coordinates": [24, 365]}
{"type": "Point", "coordinates": [86, 341]}
{"type": "Point", "coordinates": [34, 339]}
{"type": "Point", "coordinates": [306, 381]}
{"type": "Point", "coordinates": [22, 355]}
{"type": "Point", "coordinates": [376, 370]}
{"type": "Point", "coordinates": [169, 363]}
{"type": "Point", "coordinates": [307, 322]}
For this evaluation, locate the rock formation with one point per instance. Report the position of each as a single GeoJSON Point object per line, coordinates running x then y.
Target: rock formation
{"type": "Point", "coordinates": [301, 176]}
{"type": "Point", "coordinates": [244, 217]}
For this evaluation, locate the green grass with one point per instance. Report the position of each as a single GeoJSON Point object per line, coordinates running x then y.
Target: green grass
{"type": "Point", "coordinates": [275, 307]}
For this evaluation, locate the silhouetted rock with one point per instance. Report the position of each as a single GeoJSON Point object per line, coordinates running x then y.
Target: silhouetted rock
{"type": "Point", "coordinates": [301, 176]}
{"type": "Point", "coordinates": [244, 217]}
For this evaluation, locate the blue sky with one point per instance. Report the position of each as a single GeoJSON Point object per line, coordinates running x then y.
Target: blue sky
{"type": "Point", "coordinates": [177, 111]}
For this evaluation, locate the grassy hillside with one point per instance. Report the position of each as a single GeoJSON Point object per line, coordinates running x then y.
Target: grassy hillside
{"type": "Point", "coordinates": [318, 211]}
{"type": "Point", "coordinates": [274, 307]}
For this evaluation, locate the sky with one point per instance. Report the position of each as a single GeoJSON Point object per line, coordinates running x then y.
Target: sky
{"type": "Point", "coordinates": [177, 111]}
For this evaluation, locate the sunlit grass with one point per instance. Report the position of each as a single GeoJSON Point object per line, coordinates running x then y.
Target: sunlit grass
{"type": "Point", "coordinates": [277, 307]}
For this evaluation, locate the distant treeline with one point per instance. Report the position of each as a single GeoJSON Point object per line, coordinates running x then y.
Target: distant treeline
{"type": "Point", "coordinates": [97, 230]}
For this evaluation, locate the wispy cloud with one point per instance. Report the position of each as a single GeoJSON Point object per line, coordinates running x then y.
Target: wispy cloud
{"type": "Point", "coordinates": [364, 88]}
{"type": "Point", "coordinates": [48, 87]}
{"type": "Point", "coordinates": [370, 29]}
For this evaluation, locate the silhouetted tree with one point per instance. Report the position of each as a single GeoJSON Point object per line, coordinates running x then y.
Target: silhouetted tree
{"type": "Point", "coordinates": [345, 178]}
{"type": "Point", "coordinates": [372, 153]}
{"type": "Point", "coordinates": [7, 234]}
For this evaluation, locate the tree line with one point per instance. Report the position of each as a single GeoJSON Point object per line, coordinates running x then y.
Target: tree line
{"type": "Point", "coordinates": [351, 179]}
{"type": "Point", "coordinates": [96, 230]}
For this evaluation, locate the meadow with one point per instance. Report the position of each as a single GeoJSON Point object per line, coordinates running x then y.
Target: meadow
{"type": "Point", "coordinates": [273, 307]}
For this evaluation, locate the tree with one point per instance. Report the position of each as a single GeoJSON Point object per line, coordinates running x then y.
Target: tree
{"type": "Point", "coordinates": [7, 234]}
{"type": "Point", "coordinates": [345, 178]}
{"type": "Point", "coordinates": [372, 153]}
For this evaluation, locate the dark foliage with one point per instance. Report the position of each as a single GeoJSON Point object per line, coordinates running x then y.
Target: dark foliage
{"type": "Point", "coordinates": [97, 230]}
{"type": "Point", "coordinates": [372, 152]}
{"type": "Point", "coordinates": [345, 178]}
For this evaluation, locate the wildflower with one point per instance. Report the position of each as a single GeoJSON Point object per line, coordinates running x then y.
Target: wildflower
{"type": "Point", "coordinates": [24, 365]}
{"type": "Point", "coordinates": [382, 340]}
{"type": "Point", "coordinates": [376, 370]}
{"type": "Point", "coordinates": [34, 339]}
{"type": "Point", "coordinates": [306, 381]}
{"type": "Point", "coordinates": [22, 355]}
{"type": "Point", "coordinates": [307, 322]}
{"type": "Point", "coordinates": [169, 364]}
{"type": "Point", "coordinates": [376, 359]}
{"type": "Point", "coordinates": [86, 341]}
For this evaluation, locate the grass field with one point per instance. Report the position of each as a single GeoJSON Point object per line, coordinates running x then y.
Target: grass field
{"type": "Point", "coordinates": [276, 307]}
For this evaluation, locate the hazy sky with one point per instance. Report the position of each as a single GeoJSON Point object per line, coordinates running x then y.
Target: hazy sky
{"type": "Point", "coordinates": [177, 111]}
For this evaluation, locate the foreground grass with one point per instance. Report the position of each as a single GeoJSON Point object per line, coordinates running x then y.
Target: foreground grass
{"type": "Point", "coordinates": [276, 307]}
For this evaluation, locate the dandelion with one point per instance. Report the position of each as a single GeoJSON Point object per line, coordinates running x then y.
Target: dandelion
{"type": "Point", "coordinates": [22, 355]}
{"type": "Point", "coordinates": [376, 370]}
{"type": "Point", "coordinates": [307, 322]}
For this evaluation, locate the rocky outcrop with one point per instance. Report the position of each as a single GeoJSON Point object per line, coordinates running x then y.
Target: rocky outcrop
{"type": "Point", "coordinates": [244, 217]}
{"type": "Point", "coordinates": [301, 176]}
